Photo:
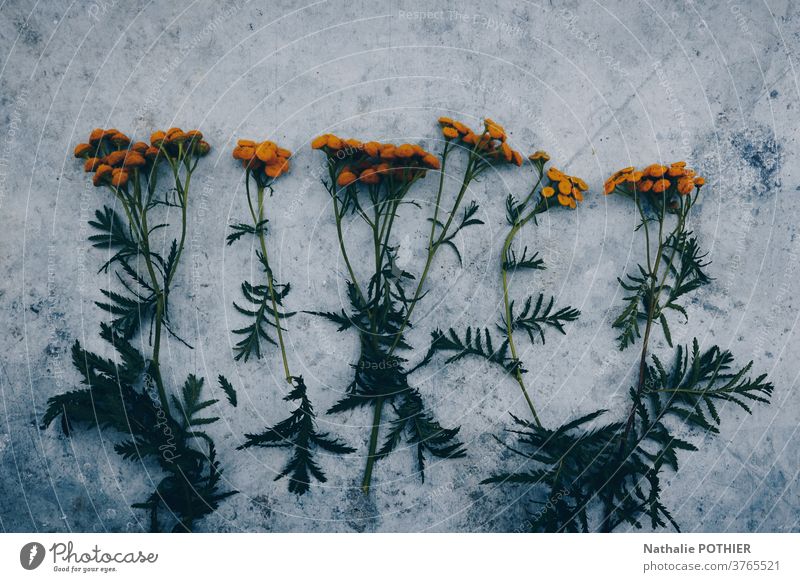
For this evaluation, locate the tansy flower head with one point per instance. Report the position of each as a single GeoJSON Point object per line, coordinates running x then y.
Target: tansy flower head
{"type": "Point", "coordinates": [655, 178]}
{"type": "Point", "coordinates": [568, 189]}
{"type": "Point", "coordinates": [110, 150]}
{"type": "Point", "coordinates": [119, 177]}
{"type": "Point", "coordinates": [266, 160]}
{"type": "Point", "coordinates": [178, 143]}
{"type": "Point", "coordinates": [372, 162]}
{"type": "Point", "coordinates": [490, 143]}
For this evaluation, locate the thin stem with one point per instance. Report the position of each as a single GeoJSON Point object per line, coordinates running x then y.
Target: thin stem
{"type": "Point", "coordinates": [432, 248]}
{"type": "Point", "coordinates": [258, 219]}
{"type": "Point", "coordinates": [155, 365]}
{"type": "Point", "coordinates": [343, 250]}
{"type": "Point", "coordinates": [373, 444]}
{"type": "Point", "coordinates": [655, 293]}
{"type": "Point", "coordinates": [507, 303]}
{"type": "Point", "coordinates": [541, 207]}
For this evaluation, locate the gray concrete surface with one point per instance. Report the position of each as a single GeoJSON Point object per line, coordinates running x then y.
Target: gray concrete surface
{"type": "Point", "coordinates": [598, 84]}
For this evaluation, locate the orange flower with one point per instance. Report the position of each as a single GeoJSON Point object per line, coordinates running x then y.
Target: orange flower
{"type": "Point", "coordinates": [555, 174]}
{"type": "Point", "coordinates": [539, 155]}
{"type": "Point", "coordinates": [450, 132]}
{"type": "Point", "coordinates": [266, 151]}
{"type": "Point", "coordinates": [317, 143]}
{"type": "Point", "coordinates": [372, 148]}
{"type": "Point", "coordinates": [102, 171]}
{"type": "Point", "coordinates": [91, 164]}
{"type": "Point", "coordinates": [656, 178]}
{"type": "Point", "coordinates": [133, 160]}
{"type": "Point", "coordinates": [203, 147]}
{"type": "Point", "coordinates": [175, 136]}
{"type": "Point", "coordinates": [431, 161]}
{"type": "Point", "coordinates": [566, 201]}
{"type": "Point", "coordinates": [494, 129]}
{"type": "Point", "coordinates": [157, 138]}
{"type": "Point", "coordinates": [346, 178]}
{"type": "Point", "coordinates": [569, 189]}
{"type": "Point", "coordinates": [370, 176]}
{"type": "Point", "coordinates": [334, 142]}
{"type": "Point", "coordinates": [140, 147]}
{"type": "Point", "coordinates": [661, 185]}
{"type": "Point", "coordinates": [461, 128]}
{"type": "Point", "coordinates": [404, 151]}
{"type": "Point", "coordinates": [99, 177]}
{"type": "Point", "coordinates": [685, 186]}
{"type": "Point", "coordinates": [95, 136]}
{"type": "Point", "coordinates": [353, 144]}
{"type": "Point", "coordinates": [470, 138]}
{"type": "Point", "coordinates": [82, 149]}
{"type": "Point", "coordinates": [244, 153]}
{"type": "Point", "coordinates": [278, 167]}
{"type": "Point", "coordinates": [116, 158]}
{"type": "Point", "coordinates": [120, 139]}
{"type": "Point", "coordinates": [580, 184]}
{"type": "Point", "coordinates": [699, 181]}
{"type": "Point", "coordinates": [655, 170]}
{"type": "Point", "coordinates": [119, 177]}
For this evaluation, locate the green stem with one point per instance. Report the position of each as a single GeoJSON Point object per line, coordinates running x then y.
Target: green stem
{"type": "Point", "coordinates": [155, 364]}
{"type": "Point", "coordinates": [655, 294]}
{"type": "Point", "coordinates": [541, 207]}
{"type": "Point", "coordinates": [258, 219]}
{"type": "Point", "coordinates": [433, 247]}
{"type": "Point", "coordinates": [373, 444]}
{"type": "Point", "coordinates": [507, 305]}
{"type": "Point", "coordinates": [343, 250]}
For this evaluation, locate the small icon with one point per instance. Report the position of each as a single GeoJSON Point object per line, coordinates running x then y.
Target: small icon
{"type": "Point", "coordinates": [31, 555]}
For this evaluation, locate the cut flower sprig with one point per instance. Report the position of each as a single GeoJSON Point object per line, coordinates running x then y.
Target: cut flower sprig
{"type": "Point", "coordinates": [603, 476]}
{"type": "Point", "coordinates": [553, 189]}
{"type": "Point", "coordinates": [264, 162]}
{"type": "Point", "coordinates": [382, 309]}
{"type": "Point", "coordinates": [130, 171]}
{"type": "Point", "coordinates": [167, 426]}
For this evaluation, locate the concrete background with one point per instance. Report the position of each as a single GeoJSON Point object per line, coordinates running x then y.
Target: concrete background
{"type": "Point", "coordinates": [600, 85]}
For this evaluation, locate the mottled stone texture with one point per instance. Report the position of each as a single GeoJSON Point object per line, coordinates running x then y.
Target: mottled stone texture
{"type": "Point", "coordinates": [600, 85]}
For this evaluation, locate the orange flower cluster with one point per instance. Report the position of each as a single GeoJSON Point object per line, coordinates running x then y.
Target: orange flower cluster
{"type": "Point", "coordinates": [112, 156]}
{"type": "Point", "coordinates": [266, 157]}
{"type": "Point", "coordinates": [491, 142]}
{"type": "Point", "coordinates": [570, 189]}
{"type": "Point", "coordinates": [655, 178]}
{"type": "Point", "coordinates": [370, 162]}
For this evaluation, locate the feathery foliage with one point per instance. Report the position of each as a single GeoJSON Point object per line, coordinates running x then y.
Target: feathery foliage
{"type": "Point", "coordinates": [588, 476]}
{"type": "Point", "coordinates": [583, 466]}
{"type": "Point", "coordinates": [120, 396]}
{"type": "Point", "coordinates": [128, 394]}
{"type": "Point", "coordinates": [299, 432]}
{"type": "Point", "coordinates": [535, 317]}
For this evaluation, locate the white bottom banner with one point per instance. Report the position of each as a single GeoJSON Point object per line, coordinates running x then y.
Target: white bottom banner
{"type": "Point", "coordinates": [388, 557]}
